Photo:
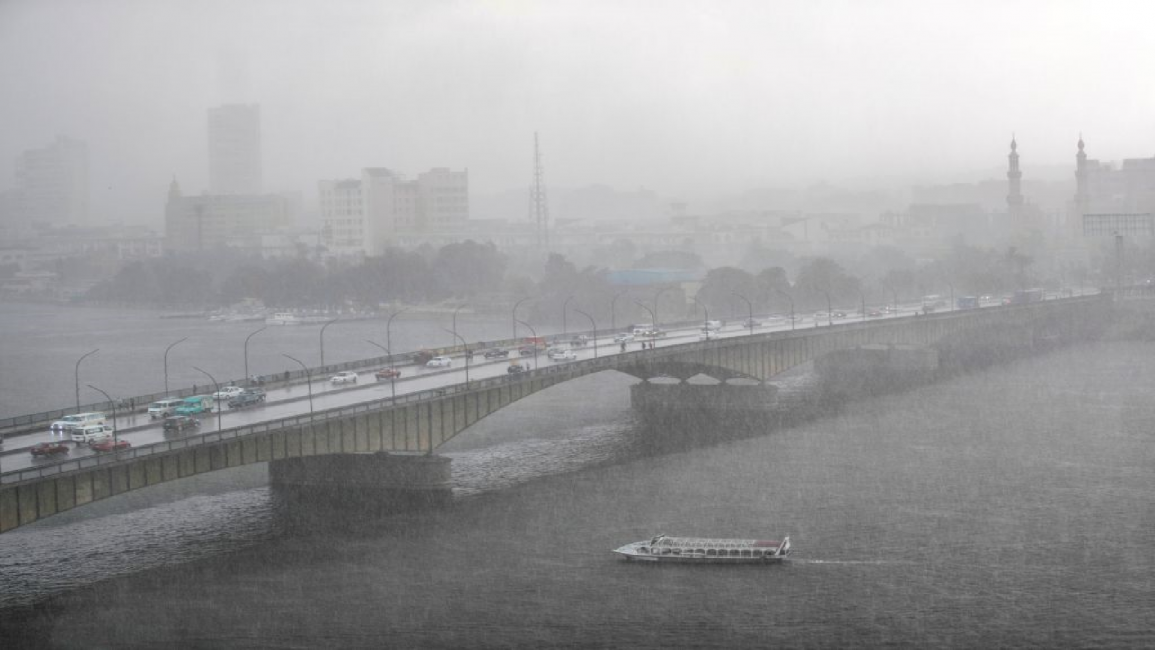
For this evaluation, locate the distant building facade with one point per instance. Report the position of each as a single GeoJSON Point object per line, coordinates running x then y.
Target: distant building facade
{"type": "Point", "coordinates": [209, 221]}
{"type": "Point", "coordinates": [1111, 199]}
{"type": "Point", "coordinates": [52, 184]}
{"type": "Point", "coordinates": [234, 132]}
{"type": "Point", "coordinates": [365, 216]}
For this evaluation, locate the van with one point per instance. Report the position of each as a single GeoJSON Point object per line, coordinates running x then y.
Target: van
{"type": "Point", "coordinates": [91, 433]}
{"type": "Point", "coordinates": [714, 325]}
{"type": "Point", "coordinates": [163, 408]}
{"type": "Point", "coordinates": [70, 422]}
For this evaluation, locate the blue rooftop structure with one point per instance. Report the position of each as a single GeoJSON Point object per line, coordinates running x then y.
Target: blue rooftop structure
{"type": "Point", "coordinates": [645, 277]}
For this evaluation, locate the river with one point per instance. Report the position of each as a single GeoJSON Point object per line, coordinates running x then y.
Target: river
{"type": "Point", "coordinates": [1008, 508]}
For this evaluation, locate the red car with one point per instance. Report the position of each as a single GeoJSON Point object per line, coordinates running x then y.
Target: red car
{"type": "Point", "coordinates": [388, 373]}
{"type": "Point", "coordinates": [49, 449]}
{"type": "Point", "coordinates": [109, 444]}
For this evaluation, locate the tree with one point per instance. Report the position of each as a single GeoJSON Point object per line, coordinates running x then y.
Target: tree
{"type": "Point", "coordinates": [720, 285]}
{"type": "Point", "coordinates": [821, 279]}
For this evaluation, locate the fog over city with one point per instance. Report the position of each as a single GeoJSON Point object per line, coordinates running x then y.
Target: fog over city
{"type": "Point", "coordinates": [691, 100]}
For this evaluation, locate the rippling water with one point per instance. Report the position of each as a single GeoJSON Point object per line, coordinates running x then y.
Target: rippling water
{"type": "Point", "coordinates": [1011, 508]}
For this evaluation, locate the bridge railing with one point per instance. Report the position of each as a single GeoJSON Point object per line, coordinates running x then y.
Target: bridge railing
{"type": "Point", "coordinates": [144, 451]}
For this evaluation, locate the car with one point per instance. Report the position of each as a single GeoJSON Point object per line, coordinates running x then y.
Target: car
{"type": "Point", "coordinates": [559, 354]}
{"type": "Point", "coordinates": [70, 422]}
{"type": "Point", "coordinates": [344, 377]}
{"type": "Point", "coordinates": [387, 373]}
{"type": "Point", "coordinates": [247, 398]}
{"type": "Point", "coordinates": [439, 362]}
{"type": "Point", "coordinates": [527, 350]}
{"type": "Point", "coordinates": [873, 313]}
{"type": "Point", "coordinates": [625, 337]}
{"type": "Point", "coordinates": [651, 334]}
{"type": "Point", "coordinates": [91, 432]}
{"type": "Point", "coordinates": [179, 423]}
{"type": "Point", "coordinates": [228, 392]}
{"type": "Point", "coordinates": [496, 353]}
{"type": "Point", "coordinates": [195, 405]}
{"type": "Point", "coordinates": [109, 444]}
{"type": "Point", "coordinates": [49, 449]}
{"type": "Point", "coordinates": [707, 335]}
{"type": "Point", "coordinates": [750, 322]}
{"type": "Point", "coordinates": [579, 341]}
{"type": "Point", "coordinates": [515, 368]}
{"type": "Point", "coordinates": [840, 314]}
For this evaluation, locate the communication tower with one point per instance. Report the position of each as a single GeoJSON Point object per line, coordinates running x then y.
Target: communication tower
{"type": "Point", "coordinates": [538, 204]}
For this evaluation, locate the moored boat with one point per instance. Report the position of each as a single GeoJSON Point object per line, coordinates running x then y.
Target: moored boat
{"type": "Point", "coordinates": [664, 548]}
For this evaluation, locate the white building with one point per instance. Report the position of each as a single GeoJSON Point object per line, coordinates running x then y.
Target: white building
{"type": "Point", "coordinates": [214, 221]}
{"type": "Point", "coordinates": [235, 149]}
{"type": "Point", "coordinates": [52, 183]}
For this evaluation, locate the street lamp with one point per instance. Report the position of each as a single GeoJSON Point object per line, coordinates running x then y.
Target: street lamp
{"type": "Point", "coordinates": [595, 326]}
{"type": "Point", "coordinates": [863, 297]}
{"type": "Point", "coordinates": [513, 316]}
{"type": "Point", "coordinates": [465, 346]}
{"type": "Point", "coordinates": [951, 295]}
{"type": "Point", "coordinates": [308, 382]}
{"type": "Point", "coordinates": [749, 311]}
{"type": "Point", "coordinates": [787, 296]}
{"type": "Point", "coordinates": [113, 402]}
{"type": "Point", "coordinates": [829, 309]}
{"type": "Point", "coordinates": [653, 316]}
{"type": "Point", "coordinates": [219, 407]}
{"type": "Point", "coordinates": [564, 308]}
{"type": "Point", "coordinates": [895, 293]}
{"type": "Point", "coordinates": [247, 351]}
{"type": "Point", "coordinates": [392, 377]}
{"type": "Point", "coordinates": [77, 375]}
{"type": "Point", "coordinates": [322, 336]}
{"type": "Point", "coordinates": [656, 296]}
{"type": "Point", "coordinates": [613, 318]}
{"type": "Point", "coordinates": [535, 340]}
{"type": "Point", "coordinates": [459, 308]}
{"type": "Point", "coordinates": [166, 363]}
{"type": "Point", "coordinates": [389, 330]}
{"type": "Point", "coordinates": [703, 306]}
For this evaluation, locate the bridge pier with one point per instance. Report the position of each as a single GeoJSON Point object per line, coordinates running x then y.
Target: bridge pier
{"type": "Point", "coordinates": [869, 370]}
{"type": "Point", "coordinates": [684, 414]}
{"type": "Point", "coordinates": [378, 481]}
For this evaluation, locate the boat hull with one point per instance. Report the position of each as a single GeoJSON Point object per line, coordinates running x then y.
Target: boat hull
{"type": "Point", "coordinates": [683, 559]}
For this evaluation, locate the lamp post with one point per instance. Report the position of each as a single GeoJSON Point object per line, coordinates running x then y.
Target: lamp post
{"type": "Point", "coordinates": [749, 311]}
{"type": "Point", "coordinates": [308, 382]}
{"type": "Point", "coordinates": [656, 297]}
{"type": "Point", "coordinates": [863, 297]}
{"type": "Point", "coordinates": [787, 296]}
{"type": "Point", "coordinates": [595, 326]}
{"type": "Point", "coordinates": [513, 317]}
{"type": "Point", "coordinates": [564, 309]}
{"type": "Point", "coordinates": [535, 340]}
{"type": "Point", "coordinates": [389, 330]}
{"type": "Point", "coordinates": [707, 311]}
{"type": "Point", "coordinates": [829, 309]}
{"type": "Point", "coordinates": [110, 401]}
{"type": "Point", "coordinates": [653, 316]}
{"type": "Point", "coordinates": [455, 337]}
{"type": "Point", "coordinates": [895, 294]}
{"type": "Point", "coordinates": [77, 375]}
{"type": "Point", "coordinates": [246, 351]}
{"type": "Point", "coordinates": [322, 337]}
{"type": "Point", "coordinates": [218, 387]}
{"type": "Point", "coordinates": [392, 376]}
{"type": "Point", "coordinates": [613, 316]}
{"type": "Point", "coordinates": [951, 295]}
{"type": "Point", "coordinates": [464, 345]}
{"type": "Point", "coordinates": [173, 345]}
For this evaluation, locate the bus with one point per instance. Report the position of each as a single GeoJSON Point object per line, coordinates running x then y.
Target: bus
{"type": "Point", "coordinates": [1024, 296]}
{"type": "Point", "coordinates": [968, 302]}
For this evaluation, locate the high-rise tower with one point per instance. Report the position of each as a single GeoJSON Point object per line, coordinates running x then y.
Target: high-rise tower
{"type": "Point", "coordinates": [538, 204]}
{"type": "Point", "coordinates": [1014, 179]}
{"type": "Point", "coordinates": [1082, 195]}
{"type": "Point", "coordinates": [235, 149]}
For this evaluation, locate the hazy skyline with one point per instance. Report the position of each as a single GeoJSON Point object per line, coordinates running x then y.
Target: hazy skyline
{"type": "Point", "coordinates": [689, 99]}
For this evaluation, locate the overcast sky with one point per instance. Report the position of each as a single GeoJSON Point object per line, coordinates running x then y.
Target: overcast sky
{"type": "Point", "coordinates": [684, 98]}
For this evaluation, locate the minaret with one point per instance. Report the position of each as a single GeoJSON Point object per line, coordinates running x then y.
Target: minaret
{"type": "Point", "coordinates": [1081, 194]}
{"type": "Point", "coordinates": [1014, 177]}
{"type": "Point", "coordinates": [173, 189]}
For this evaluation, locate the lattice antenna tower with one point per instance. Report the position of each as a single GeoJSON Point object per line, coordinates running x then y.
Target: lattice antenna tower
{"type": "Point", "coordinates": [538, 203]}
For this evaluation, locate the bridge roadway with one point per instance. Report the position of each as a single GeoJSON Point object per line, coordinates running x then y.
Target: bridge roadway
{"type": "Point", "coordinates": [433, 407]}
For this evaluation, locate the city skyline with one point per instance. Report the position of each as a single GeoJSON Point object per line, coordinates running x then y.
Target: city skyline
{"type": "Point", "coordinates": [690, 102]}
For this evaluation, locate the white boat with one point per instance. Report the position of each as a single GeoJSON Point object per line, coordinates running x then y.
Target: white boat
{"type": "Point", "coordinates": [663, 548]}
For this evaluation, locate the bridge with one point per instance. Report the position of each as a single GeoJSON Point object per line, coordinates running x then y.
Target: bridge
{"type": "Point", "coordinates": [416, 424]}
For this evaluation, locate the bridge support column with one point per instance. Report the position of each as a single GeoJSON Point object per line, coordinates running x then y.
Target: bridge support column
{"type": "Point", "coordinates": [685, 414]}
{"type": "Point", "coordinates": [870, 370]}
{"type": "Point", "coordinates": [377, 481]}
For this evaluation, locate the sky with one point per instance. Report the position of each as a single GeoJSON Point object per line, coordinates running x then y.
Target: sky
{"type": "Point", "coordinates": [688, 99]}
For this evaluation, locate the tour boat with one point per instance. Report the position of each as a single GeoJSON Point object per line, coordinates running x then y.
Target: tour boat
{"type": "Point", "coordinates": [694, 549]}
{"type": "Point", "coordinates": [288, 318]}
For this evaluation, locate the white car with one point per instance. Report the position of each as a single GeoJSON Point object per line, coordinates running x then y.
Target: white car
{"type": "Point", "coordinates": [344, 377]}
{"type": "Point", "coordinates": [558, 354]}
{"type": "Point", "coordinates": [439, 362]}
{"type": "Point", "coordinates": [624, 338]}
{"type": "Point", "coordinates": [228, 392]}
{"type": "Point", "coordinates": [71, 422]}
{"type": "Point", "coordinates": [707, 335]}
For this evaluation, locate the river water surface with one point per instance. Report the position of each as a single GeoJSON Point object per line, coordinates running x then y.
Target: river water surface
{"type": "Point", "coordinates": [1009, 508]}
